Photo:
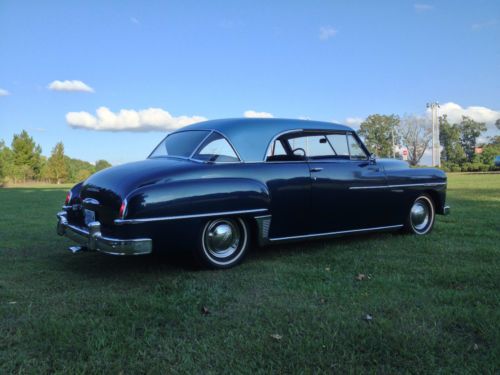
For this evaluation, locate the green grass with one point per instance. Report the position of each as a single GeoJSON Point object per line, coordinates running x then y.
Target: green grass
{"type": "Point", "coordinates": [435, 300]}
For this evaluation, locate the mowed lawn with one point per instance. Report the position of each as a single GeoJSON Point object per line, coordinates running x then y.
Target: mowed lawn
{"type": "Point", "coordinates": [434, 300]}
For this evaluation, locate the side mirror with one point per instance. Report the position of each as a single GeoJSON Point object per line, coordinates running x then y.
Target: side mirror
{"type": "Point", "coordinates": [372, 159]}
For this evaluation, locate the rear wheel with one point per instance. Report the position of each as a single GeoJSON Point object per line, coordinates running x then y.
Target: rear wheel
{"type": "Point", "coordinates": [223, 243]}
{"type": "Point", "coordinates": [421, 217]}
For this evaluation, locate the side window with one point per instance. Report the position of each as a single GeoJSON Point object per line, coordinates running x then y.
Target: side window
{"type": "Point", "coordinates": [314, 146]}
{"type": "Point", "coordinates": [276, 149]}
{"type": "Point", "coordinates": [216, 149]}
{"type": "Point", "coordinates": [355, 148]}
{"type": "Point", "coordinates": [297, 145]}
{"type": "Point", "coordinates": [318, 146]}
{"type": "Point", "coordinates": [339, 144]}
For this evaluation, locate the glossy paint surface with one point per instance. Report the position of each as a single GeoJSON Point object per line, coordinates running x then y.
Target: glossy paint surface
{"type": "Point", "coordinates": [303, 197]}
{"type": "Point", "coordinates": [251, 136]}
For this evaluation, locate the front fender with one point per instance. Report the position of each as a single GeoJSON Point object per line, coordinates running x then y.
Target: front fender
{"type": "Point", "coordinates": [197, 197]}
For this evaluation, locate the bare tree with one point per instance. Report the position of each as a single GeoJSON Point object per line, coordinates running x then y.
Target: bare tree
{"type": "Point", "coordinates": [416, 134]}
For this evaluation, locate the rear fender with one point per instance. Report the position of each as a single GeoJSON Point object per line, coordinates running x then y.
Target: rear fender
{"type": "Point", "coordinates": [198, 197]}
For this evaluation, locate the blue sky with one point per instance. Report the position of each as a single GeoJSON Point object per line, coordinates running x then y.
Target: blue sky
{"type": "Point", "coordinates": [324, 60]}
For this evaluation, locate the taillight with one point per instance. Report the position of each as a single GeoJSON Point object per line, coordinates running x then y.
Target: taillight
{"type": "Point", "coordinates": [123, 209]}
{"type": "Point", "coordinates": [68, 198]}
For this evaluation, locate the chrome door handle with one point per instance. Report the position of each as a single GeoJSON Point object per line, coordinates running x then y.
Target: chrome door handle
{"type": "Point", "coordinates": [316, 169]}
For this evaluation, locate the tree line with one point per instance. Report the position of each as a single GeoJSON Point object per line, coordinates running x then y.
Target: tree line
{"type": "Point", "coordinates": [23, 161]}
{"type": "Point", "coordinates": [387, 135]}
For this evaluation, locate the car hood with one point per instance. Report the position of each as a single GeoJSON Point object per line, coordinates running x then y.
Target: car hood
{"type": "Point", "coordinates": [123, 179]}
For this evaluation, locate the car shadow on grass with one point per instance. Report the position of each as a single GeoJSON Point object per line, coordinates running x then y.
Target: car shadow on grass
{"type": "Point", "coordinates": [312, 246]}
{"type": "Point", "coordinates": [106, 266]}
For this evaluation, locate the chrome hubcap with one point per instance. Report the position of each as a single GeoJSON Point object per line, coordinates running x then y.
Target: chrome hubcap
{"type": "Point", "coordinates": [222, 238]}
{"type": "Point", "coordinates": [419, 216]}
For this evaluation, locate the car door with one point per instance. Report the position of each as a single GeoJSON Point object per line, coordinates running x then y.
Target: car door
{"type": "Point", "coordinates": [288, 179]}
{"type": "Point", "coordinates": [347, 188]}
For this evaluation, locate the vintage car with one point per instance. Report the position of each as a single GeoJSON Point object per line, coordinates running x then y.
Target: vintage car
{"type": "Point", "coordinates": [216, 187]}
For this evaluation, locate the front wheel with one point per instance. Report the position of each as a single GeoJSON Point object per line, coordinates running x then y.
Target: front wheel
{"type": "Point", "coordinates": [223, 243]}
{"type": "Point", "coordinates": [421, 217]}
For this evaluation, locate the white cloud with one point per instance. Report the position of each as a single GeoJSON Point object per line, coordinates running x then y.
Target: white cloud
{"type": "Point", "coordinates": [74, 85]}
{"type": "Point", "coordinates": [4, 92]}
{"type": "Point", "coordinates": [419, 7]}
{"type": "Point", "coordinates": [327, 32]}
{"type": "Point", "coordinates": [354, 122]}
{"type": "Point", "coordinates": [483, 25]}
{"type": "Point", "coordinates": [149, 119]}
{"type": "Point", "coordinates": [480, 114]}
{"type": "Point", "coordinates": [254, 114]}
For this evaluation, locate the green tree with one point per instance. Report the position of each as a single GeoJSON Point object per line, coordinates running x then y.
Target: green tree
{"type": "Point", "coordinates": [380, 133]}
{"type": "Point", "coordinates": [25, 157]}
{"type": "Point", "coordinates": [57, 166]}
{"type": "Point", "coordinates": [497, 123]}
{"type": "Point", "coordinates": [75, 166]}
{"type": "Point", "coordinates": [2, 162]}
{"type": "Point", "coordinates": [470, 130]}
{"type": "Point", "coordinates": [490, 151]}
{"type": "Point", "coordinates": [495, 140]}
{"type": "Point", "coordinates": [101, 164]}
{"type": "Point", "coordinates": [449, 138]}
{"type": "Point", "coordinates": [83, 174]}
{"type": "Point", "coordinates": [6, 161]}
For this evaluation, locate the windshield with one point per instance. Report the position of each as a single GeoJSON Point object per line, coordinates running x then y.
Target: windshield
{"type": "Point", "coordinates": [181, 144]}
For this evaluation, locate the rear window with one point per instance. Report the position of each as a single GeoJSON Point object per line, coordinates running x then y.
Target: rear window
{"type": "Point", "coordinates": [182, 144]}
{"type": "Point", "coordinates": [216, 149]}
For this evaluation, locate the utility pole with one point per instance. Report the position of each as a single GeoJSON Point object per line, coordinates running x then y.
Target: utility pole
{"type": "Point", "coordinates": [436, 148]}
{"type": "Point", "coordinates": [393, 145]}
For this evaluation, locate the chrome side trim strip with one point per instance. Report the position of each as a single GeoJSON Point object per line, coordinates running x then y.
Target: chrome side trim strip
{"type": "Point", "coordinates": [396, 186]}
{"type": "Point", "coordinates": [181, 217]}
{"type": "Point", "coordinates": [334, 233]}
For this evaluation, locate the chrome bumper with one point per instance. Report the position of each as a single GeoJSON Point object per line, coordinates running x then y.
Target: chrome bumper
{"type": "Point", "coordinates": [92, 239]}
{"type": "Point", "coordinates": [446, 210]}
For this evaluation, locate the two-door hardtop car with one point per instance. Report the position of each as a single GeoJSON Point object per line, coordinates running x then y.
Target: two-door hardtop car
{"type": "Point", "coordinates": [215, 187]}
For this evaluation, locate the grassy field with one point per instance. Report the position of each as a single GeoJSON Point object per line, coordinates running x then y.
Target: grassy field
{"type": "Point", "coordinates": [434, 300]}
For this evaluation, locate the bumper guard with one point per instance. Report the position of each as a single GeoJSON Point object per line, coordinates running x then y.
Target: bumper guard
{"type": "Point", "coordinates": [92, 239]}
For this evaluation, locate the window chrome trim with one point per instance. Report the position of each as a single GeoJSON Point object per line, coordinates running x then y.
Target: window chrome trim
{"type": "Point", "coordinates": [324, 132]}
{"type": "Point", "coordinates": [334, 233]}
{"type": "Point", "coordinates": [240, 160]}
{"type": "Point", "coordinates": [199, 146]}
{"type": "Point", "coordinates": [181, 217]}
{"type": "Point", "coordinates": [396, 186]}
{"type": "Point", "coordinates": [273, 139]}
{"type": "Point", "coordinates": [171, 133]}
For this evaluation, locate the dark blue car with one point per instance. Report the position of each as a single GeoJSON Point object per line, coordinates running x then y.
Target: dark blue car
{"type": "Point", "coordinates": [216, 187]}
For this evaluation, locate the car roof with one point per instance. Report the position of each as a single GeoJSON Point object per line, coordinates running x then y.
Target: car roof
{"type": "Point", "coordinates": [251, 136]}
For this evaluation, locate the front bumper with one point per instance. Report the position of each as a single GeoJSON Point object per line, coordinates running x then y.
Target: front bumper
{"type": "Point", "coordinates": [91, 238]}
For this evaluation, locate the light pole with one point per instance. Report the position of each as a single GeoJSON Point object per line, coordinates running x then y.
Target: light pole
{"type": "Point", "coordinates": [436, 148]}
{"type": "Point", "coordinates": [393, 145]}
